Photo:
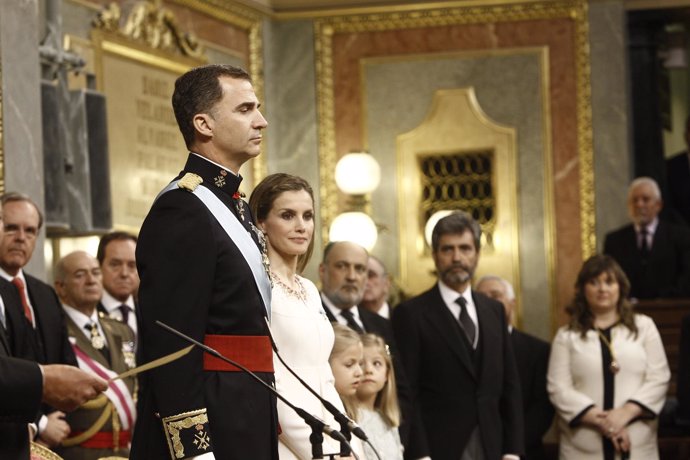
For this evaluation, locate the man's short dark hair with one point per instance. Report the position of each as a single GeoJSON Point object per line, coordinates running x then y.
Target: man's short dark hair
{"type": "Point", "coordinates": [197, 91]}
{"type": "Point", "coordinates": [109, 238]}
{"type": "Point", "coordinates": [457, 223]}
{"type": "Point", "coordinates": [11, 197]}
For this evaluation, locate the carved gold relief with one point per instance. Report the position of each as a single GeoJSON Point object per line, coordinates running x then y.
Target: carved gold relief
{"type": "Point", "coordinates": [148, 22]}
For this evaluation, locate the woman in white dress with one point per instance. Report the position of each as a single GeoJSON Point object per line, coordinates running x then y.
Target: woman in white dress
{"type": "Point", "coordinates": [283, 206]}
{"type": "Point", "coordinates": [608, 373]}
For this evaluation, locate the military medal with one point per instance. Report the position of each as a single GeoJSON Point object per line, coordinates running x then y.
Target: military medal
{"type": "Point", "coordinates": [128, 354]}
{"type": "Point", "coordinates": [219, 180]}
{"type": "Point", "coordinates": [97, 340]}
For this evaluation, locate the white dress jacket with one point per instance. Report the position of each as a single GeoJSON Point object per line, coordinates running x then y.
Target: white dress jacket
{"type": "Point", "coordinates": [576, 381]}
{"type": "Point", "coordinates": [304, 337]}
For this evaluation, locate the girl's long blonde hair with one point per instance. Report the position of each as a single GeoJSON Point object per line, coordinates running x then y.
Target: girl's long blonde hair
{"type": "Point", "coordinates": [387, 399]}
{"type": "Point", "coordinates": [344, 339]}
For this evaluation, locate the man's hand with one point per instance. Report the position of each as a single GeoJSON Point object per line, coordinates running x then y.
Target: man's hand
{"type": "Point", "coordinates": [68, 387]}
{"type": "Point", "coordinates": [55, 431]}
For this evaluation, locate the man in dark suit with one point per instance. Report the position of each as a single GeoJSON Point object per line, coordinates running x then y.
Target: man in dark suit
{"type": "Point", "coordinates": [532, 357]}
{"type": "Point", "coordinates": [343, 274]}
{"type": "Point", "coordinates": [678, 179]}
{"type": "Point", "coordinates": [458, 356]}
{"type": "Point", "coordinates": [116, 256]}
{"type": "Point", "coordinates": [29, 384]}
{"type": "Point", "coordinates": [199, 257]}
{"type": "Point", "coordinates": [48, 343]}
{"type": "Point", "coordinates": [655, 255]}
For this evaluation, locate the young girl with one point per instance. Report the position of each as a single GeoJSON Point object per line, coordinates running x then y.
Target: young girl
{"type": "Point", "coordinates": [379, 413]}
{"type": "Point", "coordinates": [345, 363]}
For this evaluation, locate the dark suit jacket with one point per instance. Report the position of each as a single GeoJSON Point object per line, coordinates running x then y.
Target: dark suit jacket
{"type": "Point", "coordinates": [683, 383]}
{"type": "Point", "coordinates": [667, 270]}
{"type": "Point", "coordinates": [532, 357]}
{"type": "Point", "coordinates": [18, 333]}
{"type": "Point", "coordinates": [678, 182]}
{"type": "Point", "coordinates": [455, 388]}
{"type": "Point", "coordinates": [375, 324]}
{"type": "Point", "coordinates": [21, 386]}
{"type": "Point", "coordinates": [194, 278]}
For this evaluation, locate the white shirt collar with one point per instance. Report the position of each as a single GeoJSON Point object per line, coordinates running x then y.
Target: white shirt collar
{"type": "Point", "coordinates": [449, 297]}
{"type": "Point", "coordinates": [111, 304]}
{"type": "Point", "coordinates": [81, 320]}
{"type": "Point", "coordinates": [651, 227]}
{"type": "Point", "coordinates": [335, 311]}
{"type": "Point", "coordinates": [8, 277]}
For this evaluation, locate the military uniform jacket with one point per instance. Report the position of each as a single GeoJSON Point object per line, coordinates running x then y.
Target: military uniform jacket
{"type": "Point", "coordinates": [194, 278]}
{"type": "Point", "coordinates": [119, 340]}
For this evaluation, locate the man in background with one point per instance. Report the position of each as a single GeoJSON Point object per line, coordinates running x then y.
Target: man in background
{"type": "Point", "coordinates": [654, 254]}
{"type": "Point", "coordinates": [532, 357]}
{"type": "Point", "coordinates": [458, 357]}
{"type": "Point", "coordinates": [377, 289]}
{"type": "Point", "coordinates": [41, 309]}
{"type": "Point", "coordinates": [120, 278]}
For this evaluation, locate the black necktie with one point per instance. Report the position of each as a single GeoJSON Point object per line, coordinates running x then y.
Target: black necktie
{"type": "Point", "coordinates": [465, 320]}
{"type": "Point", "coordinates": [352, 324]}
{"type": "Point", "coordinates": [644, 244]}
{"type": "Point", "coordinates": [124, 310]}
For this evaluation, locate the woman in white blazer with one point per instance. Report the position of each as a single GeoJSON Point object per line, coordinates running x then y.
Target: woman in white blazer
{"type": "Point", "coordinates": [283, 206]}
{"type": "Point", "coordinates": [608, 372]}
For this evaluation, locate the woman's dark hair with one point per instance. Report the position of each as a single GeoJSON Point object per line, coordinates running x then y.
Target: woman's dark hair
{"type": "Point", "coordinates": [581, 318]}
{"type": "Point", "coordinates": [266, 192]}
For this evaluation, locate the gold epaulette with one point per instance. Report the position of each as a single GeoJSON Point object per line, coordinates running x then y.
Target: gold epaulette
{"type": "Point", "coordinates": [189, 181]}
{"type": "Point", "coordinates": [187, 434]}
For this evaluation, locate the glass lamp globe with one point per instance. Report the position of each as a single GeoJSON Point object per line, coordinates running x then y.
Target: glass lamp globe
{"type": "Point", "coordinates": [431, 223]}
{"type": "Point", "coordinates": [356, 227]}
{"type": "Point", "coordinates": [357, 173]}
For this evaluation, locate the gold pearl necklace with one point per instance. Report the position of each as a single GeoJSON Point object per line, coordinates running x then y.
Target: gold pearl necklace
{"type": "Point", "coordinates": [300, 292]}
{"type": "Point", "coordinates": [614, 367]}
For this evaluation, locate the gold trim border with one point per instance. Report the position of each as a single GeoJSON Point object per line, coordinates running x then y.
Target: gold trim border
{"type": "Point", "coordinates": [575, 10]}
{"type": "Point", "coordinates": [2, 136]}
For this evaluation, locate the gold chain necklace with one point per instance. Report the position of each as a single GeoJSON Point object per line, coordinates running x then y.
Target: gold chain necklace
{"type": "Point", "coordinates": [614, 367]}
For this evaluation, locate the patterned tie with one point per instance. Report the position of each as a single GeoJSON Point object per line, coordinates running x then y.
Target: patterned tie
{"type": "Point", "coordinates": [350, 318]}
{"type": "Point", "coordinates": [465, 320]}
{"type": "Point", "coordinates": [644, 244]}
{"type": "Point", "coordinates": [124, 310]}
{"type": "Point", "coordinates": [19, 283]}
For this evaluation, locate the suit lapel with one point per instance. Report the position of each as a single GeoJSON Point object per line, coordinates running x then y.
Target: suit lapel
{"type": "Point", "coordinates": [490, 333]}
{"type": "Point", "coordinates": [115, 345]}
{"type": "Point", "coordinates": [441, 319]}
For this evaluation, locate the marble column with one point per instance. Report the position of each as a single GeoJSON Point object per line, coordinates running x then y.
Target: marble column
{"type": "Point", "coordinates": [22, 144]}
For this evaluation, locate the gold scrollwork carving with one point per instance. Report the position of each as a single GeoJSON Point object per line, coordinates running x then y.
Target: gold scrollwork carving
{"type": "Point", "coordinates": [150, 23]}
{"type": "Point", "coordinates": [575, 10]}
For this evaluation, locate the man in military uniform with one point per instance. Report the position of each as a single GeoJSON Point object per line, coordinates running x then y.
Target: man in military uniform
{"type": "Point", "coordinates": [202, 272]}
{"type": "Point", "coordinates": [104, 346]}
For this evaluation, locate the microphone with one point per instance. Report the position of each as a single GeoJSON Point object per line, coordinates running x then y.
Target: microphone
{"type": "Point", "coordinates": [342, 419]}
{"type": "Point", "coordinates": [317, 425]}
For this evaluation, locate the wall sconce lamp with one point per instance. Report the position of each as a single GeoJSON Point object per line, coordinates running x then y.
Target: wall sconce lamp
{"type": "Point", "coordinates": [357, 175]}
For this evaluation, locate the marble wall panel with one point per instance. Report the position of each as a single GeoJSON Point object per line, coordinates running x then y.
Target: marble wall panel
{"type": "Point", "coordinates": [292, 138]}
{"type": "Point", "coordinates": [613, 167]}
{"type": "Point", "coordinates": [509, 86]}
{"type": "Point", "coordinates": [22, 145]}
{"type": "Point", "coordinates": [557, 35]}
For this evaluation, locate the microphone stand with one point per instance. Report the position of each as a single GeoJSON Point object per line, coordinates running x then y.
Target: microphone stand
{"type": "Point", "coordinates": [347, 425]}
{"type": "Point", "coordinates": [316, 424]}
